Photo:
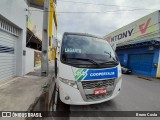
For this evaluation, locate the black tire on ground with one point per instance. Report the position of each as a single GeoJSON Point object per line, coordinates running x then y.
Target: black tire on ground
{"type": "Point", "coordinates": [55, 68]}
{"type": "Point", "coordinates": [62, 106]}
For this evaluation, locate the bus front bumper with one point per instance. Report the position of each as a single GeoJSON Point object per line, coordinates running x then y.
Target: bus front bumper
{"type": "Point", "coordinates": [72, 96]}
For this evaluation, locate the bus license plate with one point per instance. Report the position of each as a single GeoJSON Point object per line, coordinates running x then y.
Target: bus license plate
{"type": "Point", "coordinates": [100, 91]}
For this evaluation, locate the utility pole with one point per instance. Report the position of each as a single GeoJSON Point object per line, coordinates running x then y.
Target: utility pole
{"type": "Point", "coordinates": [51, 29]}
{"type": "Point", "coordinates": [45, 40]}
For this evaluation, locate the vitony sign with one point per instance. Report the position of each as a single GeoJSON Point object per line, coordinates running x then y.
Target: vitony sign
{"type": "Point", "coordinates": [127, 34]}
{"type": "Point", "coordinates": [136, 30]}
{"type": "Point", "coordinates": [120, 36]}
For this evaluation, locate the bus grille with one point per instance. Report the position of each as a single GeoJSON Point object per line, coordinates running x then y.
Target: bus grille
{"type": "Point", "coordinates": [98, 97]}
{"type": "Point", "coordinates": [97, 84]}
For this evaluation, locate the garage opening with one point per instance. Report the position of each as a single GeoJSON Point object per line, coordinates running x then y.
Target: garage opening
{"type": "Point", "coordinates": [141, 63]}
{"type": "Point", "coordinates": [8, 39]}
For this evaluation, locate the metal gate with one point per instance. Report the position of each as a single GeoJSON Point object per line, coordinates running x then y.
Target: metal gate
{"type": "Point", "coordinates": [7, 55]}
{"type": "Point", "coordinates": [121, 59]}
{"type": "Point", "coordinates": [8, 38]}
{"type": "Point", "coordinates": [141, 63]}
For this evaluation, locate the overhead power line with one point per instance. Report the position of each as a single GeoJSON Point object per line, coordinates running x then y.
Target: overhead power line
{"type": "Point", "coordinates": [101, 12]}
{"type": "Point", "coordinates": [106, 5]}
{"type": "Point", "coordinates": [96, 12]}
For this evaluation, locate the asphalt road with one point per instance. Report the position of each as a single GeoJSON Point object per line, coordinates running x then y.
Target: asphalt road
{"type": "Point", "coordinates": [137, 94]}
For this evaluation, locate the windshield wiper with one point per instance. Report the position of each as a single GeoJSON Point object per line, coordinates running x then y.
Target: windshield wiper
{"type": "Point", "coordinates": [85, 59]}
{"type": "Point", "coordinates": [110, 62]}
{"type": "Point", "coordinates": [110, 55]}
{"type": "Point", "coordinates": [113, 61]}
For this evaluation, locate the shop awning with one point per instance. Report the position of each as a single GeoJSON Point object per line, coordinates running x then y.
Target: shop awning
{"type": "Point", "coordinates": [33, 41]}
{"type": "Point", "coordinates": [149, 42]}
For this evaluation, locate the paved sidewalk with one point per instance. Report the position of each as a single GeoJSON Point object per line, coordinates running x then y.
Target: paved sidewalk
{"type": "Point", "coordinates": [20, 93]}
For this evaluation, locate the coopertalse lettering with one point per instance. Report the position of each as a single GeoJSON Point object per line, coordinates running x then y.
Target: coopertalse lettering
{"type": "Point", "coordinates": [102, 73]}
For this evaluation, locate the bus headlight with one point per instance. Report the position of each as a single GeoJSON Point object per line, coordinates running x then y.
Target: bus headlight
{"type": "Point", "coordinates": [69, 82]}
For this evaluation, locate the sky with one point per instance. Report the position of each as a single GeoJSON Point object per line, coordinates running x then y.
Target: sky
{"type": "Point", "coordinates": [112, 14]}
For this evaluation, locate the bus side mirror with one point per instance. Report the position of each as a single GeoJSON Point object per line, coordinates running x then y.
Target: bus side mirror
{"type": "Point", "coordinates": [58, 44]}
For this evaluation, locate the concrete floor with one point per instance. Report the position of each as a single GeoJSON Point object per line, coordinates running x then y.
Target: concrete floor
{"type": "Point", "coordinates": [137, 94]}
{"type": "Point", "coordinates": [21, 93]}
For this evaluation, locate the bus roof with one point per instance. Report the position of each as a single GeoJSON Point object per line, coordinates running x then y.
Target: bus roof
{"type": "Point", "coordinates": [81, 34]}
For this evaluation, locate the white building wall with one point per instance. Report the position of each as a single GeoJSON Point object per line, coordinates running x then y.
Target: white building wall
{"type": "Point", "coordinates": [15, 12]}
{"type": "Point", "coordinates": [29, 64]}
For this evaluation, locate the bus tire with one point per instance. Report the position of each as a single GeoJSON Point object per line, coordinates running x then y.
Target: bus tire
{"type": "Point", "coordinates": [62, 106]}
{"type": "Point", "coordinates": [58, 105]}
{"type": "Point", "coordinates": [55, 70]}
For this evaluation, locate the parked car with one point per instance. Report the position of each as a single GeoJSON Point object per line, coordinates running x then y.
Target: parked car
{"type": "Point", "coordinates": [126, 70]}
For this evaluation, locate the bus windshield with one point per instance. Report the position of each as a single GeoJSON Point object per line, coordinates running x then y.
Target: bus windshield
{"type": "Point", "coordinates": [78, 49]}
